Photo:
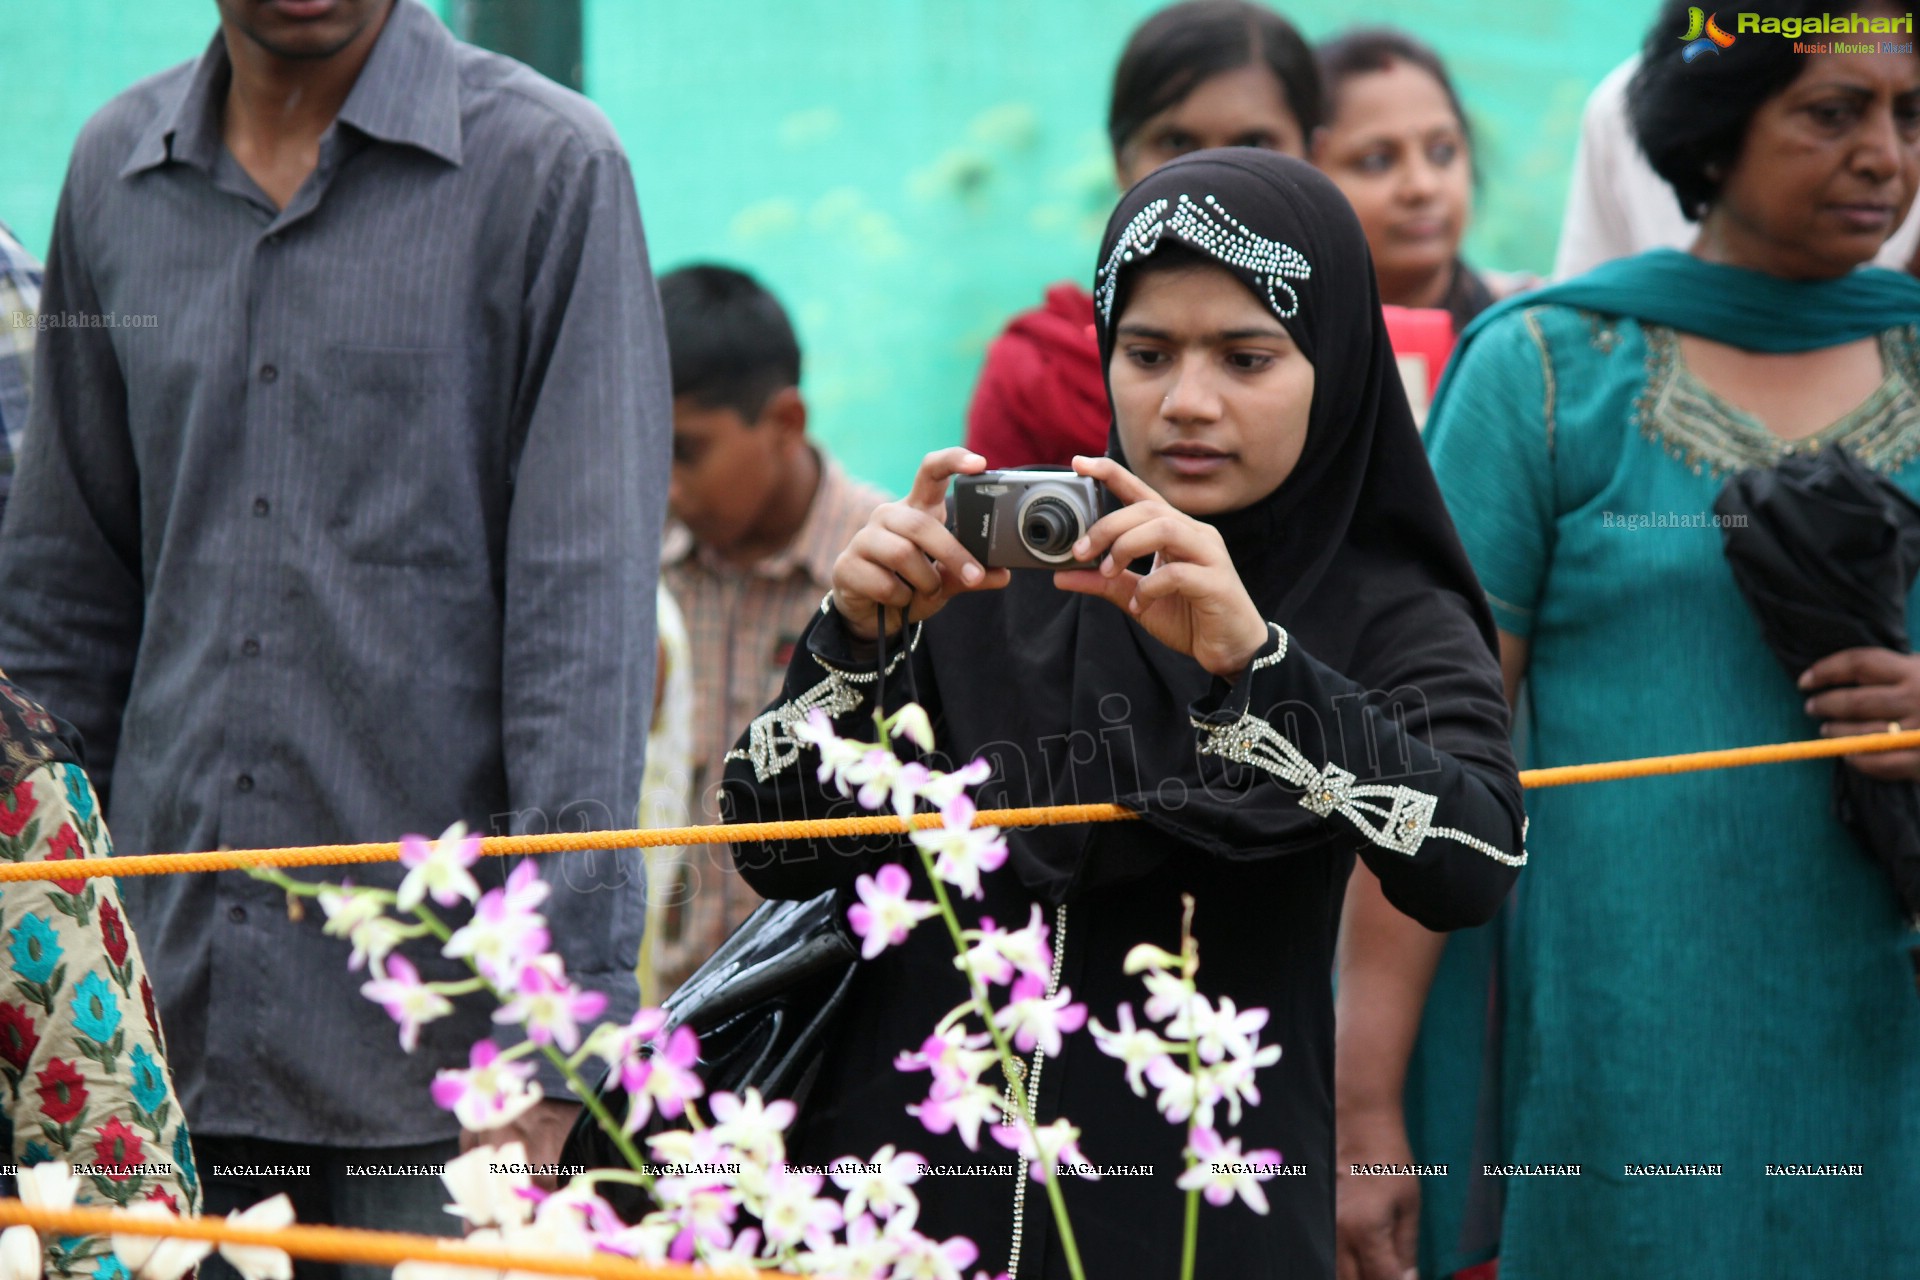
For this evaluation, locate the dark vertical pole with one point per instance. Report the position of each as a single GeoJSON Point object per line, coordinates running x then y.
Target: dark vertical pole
{"type": "Point", "coordinates": [544, 34]}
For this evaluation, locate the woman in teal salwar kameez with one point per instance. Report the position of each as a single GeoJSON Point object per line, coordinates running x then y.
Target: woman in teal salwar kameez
{"type": "Point", "coordinates": [1702, 979]}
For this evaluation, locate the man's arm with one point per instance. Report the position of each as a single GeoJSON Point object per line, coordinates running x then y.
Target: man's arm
{"type": "Point", "coordinates": [19, 311]}
{"type": "Point", "coordinates": [582, 557]}
{"type": "Point", "coordinates": [1386, 964]}
{"type": "Point", "coordinates": [71, 597]}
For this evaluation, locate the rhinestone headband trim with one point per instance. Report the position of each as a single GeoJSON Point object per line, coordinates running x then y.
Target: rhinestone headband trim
{"type": "Point", "coordinates": [1211, 229]}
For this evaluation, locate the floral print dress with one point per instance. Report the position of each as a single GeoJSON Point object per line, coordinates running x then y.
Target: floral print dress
{"type": "Point", "coordinates": [86, 1079]}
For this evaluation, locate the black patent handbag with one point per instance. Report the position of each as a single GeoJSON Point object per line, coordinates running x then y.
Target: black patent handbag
{"type": "Point", "coordinates": [762, 1006]}
{"type": "Point", "coordinates": [763, 1003]}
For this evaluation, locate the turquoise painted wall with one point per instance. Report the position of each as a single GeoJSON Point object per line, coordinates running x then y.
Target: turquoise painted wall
{"type": "Point", "coordinates": [904, 173]}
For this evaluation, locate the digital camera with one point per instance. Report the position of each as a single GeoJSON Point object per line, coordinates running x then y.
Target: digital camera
{"type": "Point", "coordinates": [1028, 518]}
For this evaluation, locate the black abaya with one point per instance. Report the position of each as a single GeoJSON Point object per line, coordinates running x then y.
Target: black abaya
{"type": "Point", "coordinates": [1355, 563]}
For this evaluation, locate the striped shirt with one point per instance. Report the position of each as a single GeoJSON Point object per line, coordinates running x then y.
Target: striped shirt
{"type": "Point", "coordinates": [742, 623]}
{"type": "Point", "coordinates": [19, 317]}
{"type": "Point", "coordinates": [359, 538]}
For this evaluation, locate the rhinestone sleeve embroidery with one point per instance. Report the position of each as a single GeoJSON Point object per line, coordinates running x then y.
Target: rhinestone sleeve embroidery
{"type": "Point", "coordinates": [771, 747]}
{"type": "Point", "coordinates": [1280, 648]}
{"type": "Point", "coordinates": [1394, 817]}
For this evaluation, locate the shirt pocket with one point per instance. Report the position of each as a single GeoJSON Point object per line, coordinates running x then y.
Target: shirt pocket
{"type": "Point", "coordinates": [391, 426]}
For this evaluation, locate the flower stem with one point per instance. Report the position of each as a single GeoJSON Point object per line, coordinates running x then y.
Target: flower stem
{"type": "Point", "coordinates": [1009, 1061]}
{"type": "Point", "coordinates": [431, 925]}
{"type": "Point", "coordinates": [1190, 965]}
{"type": "Point", "coordinates": [1190, 1242]}
{"type": "Point", "coordinates": [588, 1097]}
{"type": "Point", "coordinates": [314, 888]}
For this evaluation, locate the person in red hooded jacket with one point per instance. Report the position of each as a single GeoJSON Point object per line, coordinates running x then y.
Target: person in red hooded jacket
{"type": "Point", "coordinates": [1207, 73]}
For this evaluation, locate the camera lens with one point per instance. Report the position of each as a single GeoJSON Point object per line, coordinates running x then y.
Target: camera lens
{"type": "Point", "coordinates": [1049, 527]}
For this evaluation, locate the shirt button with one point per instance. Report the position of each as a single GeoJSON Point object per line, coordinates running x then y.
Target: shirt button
{"type": "Point", "coordinates": [244, 782]}
{"type": "Point", "coordinates": [237, 914]}
{"type": "Point", "coordinates": [274, 238]}
{"type": "Point", "coordinates": [250, 647]}
{"type": "Point", "coordinates": [268, 373]}
{"type": "Point", "coordinates": [261, 506]}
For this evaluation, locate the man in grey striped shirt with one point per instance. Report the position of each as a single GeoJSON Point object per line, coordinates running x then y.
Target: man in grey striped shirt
{"type": "Point", "coordinates": [19, 318]}
{"type": "Point", "coordinates": [358, 538]}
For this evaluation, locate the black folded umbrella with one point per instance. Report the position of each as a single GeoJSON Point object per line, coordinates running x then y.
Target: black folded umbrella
{"type": "Point", "coordinates": [1826, 555]}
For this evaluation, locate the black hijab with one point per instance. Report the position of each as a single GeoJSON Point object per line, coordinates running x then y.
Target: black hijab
{"type": "Point", "coordinates": [1353, 554]}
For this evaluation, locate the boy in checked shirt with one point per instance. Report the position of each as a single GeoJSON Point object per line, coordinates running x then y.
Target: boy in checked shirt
{"type": "Point", "coordinates": [760, 513]}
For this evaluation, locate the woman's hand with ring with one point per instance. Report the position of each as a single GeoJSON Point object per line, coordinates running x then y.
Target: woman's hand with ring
{"type": "Point", "coordinates": [1868, 691]}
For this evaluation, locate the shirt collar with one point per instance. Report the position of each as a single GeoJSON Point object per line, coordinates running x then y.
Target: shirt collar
{"type": "Point", "coordinates": [817, 544]}
{"type": "Point", "coordinates": [821, 538]}
{"type": "Point", "coordinates": [187, 128]}
{"type": "Point", "coordinates": [676, 544]}
{"type": "Point", "coordinates": [408, 92]}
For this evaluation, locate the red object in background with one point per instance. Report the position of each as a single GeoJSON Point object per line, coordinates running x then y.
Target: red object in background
{"type": "Point", "coordinates": [1485, 1271]}
{"type": "Point", "coordinates": [1042, 396]}
{"type": "Point", "coordinates": [1421, 331]}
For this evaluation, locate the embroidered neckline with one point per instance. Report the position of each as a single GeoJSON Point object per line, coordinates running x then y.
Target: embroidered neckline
{"type": "Point", "coordinates": [1702, 431]}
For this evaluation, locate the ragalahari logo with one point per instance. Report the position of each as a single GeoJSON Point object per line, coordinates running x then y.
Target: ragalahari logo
{"type": "Point", "coordinates": [1703, 34]}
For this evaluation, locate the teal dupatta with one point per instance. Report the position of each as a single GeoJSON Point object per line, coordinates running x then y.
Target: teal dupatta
{"type": "Point", "coordinates": [1741, 308]}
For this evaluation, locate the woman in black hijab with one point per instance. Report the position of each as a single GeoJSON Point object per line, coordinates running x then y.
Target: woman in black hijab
{"type": "Point", "coordinates": [1305, 672]}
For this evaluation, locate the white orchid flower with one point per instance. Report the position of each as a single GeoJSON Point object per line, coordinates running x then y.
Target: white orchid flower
{"type": "Point", "coordinates": [157, 1257]}
{"type": "Point", "coordinates": [52, 1185]}
{"type": "Point", "coordinates": [439, 869]}
{"type": "Point", "coordinates": [257, 1262]}
{"type": "Point", "coordinates": [484, 1198]}
{"type": "Point", "coordinates": [20, 1254]}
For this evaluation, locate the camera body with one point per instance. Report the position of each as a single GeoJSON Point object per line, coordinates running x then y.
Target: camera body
{"type": "Point", "coordinates": [1026, 518]}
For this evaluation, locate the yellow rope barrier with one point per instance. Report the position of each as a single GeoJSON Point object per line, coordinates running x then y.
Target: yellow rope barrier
{"type": "Point", "coordinates": [150, 864]}
{"type": "Point", "coordinates": [379, 1248]}
{"type": "Point", "coordinates": [1730, 758]}
{"type": "Point", "coordinates": [342, 1244]}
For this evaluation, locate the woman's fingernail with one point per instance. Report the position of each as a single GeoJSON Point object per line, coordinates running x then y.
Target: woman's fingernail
{"type": "Point", "coordinates": [970, 574]}
{"type": "Point", "coordinates": [1081, 548]}
{"type": "Point", "coordinates": [1806, 679]}
{"type": "Point", "coordinates": [1807, 706]}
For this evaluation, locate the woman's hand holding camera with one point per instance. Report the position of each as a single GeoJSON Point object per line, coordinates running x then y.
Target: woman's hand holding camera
{"type": "Point", "coordinates": [905, 558]}
{"type": "Point", "coordinates": [1193, 600]}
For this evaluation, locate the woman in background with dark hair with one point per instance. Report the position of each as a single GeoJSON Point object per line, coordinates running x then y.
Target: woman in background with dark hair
{"type": "Point", "coordinates": [1705, 979]}
{"type": "Point", "coordinates": [1397, 144]}
{"type": "Point", "coordinates": [1207, 73]}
